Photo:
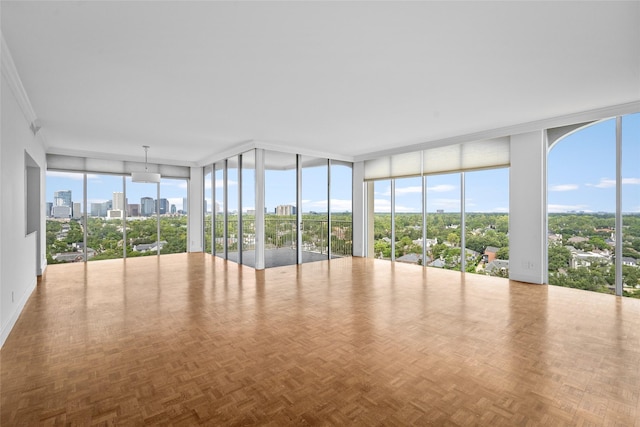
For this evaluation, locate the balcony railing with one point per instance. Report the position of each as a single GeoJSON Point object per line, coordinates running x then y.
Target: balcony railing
{"type": "Point", "coordinates": [281, 233]}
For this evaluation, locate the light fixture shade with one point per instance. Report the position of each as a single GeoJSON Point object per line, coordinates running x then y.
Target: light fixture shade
{"type": "Point", "coordinates": [145, 177]}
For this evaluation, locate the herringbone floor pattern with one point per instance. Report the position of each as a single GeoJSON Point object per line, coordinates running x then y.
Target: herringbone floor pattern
{"type": "Point", "coordinates": [189, 339]}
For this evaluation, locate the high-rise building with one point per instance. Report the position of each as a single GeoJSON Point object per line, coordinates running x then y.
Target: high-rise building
{"type": "Point", "coordinates": [285, 210]}
{"type": "Point", "coordinates": [133, 209]}
{"type": "Point", "coordinates": [100, 209]}
{"type": "Point", "coordinates": [62, 198]}
{"type": "Point", "coordinates": [77, 210]}
{"type": "Point", "coordinates": [49, 207]}
{"type": "Point", "coordinates": [118, 201]}
{"type": "Point", "coordinates": [184, 205]}
{"type": "Point", "coordinates": [147, 206]}
{"type": "Point", "coordinates": [164, 206]}
{"type": "Point", "coordinates": [61, 212]}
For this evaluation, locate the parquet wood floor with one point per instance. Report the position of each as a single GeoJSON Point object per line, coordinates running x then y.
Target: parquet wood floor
{"type": "Point", "coordinates": [188, 339]}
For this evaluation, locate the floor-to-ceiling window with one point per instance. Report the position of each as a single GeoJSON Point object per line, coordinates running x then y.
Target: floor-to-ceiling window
{"type": "Point", "coordinates": [295, 194]}
{"type": "Point", "coordinates": [208, 210]}
{"type": "Point", "coordinates": [173, 224]}
{"type": "Point", "coordinates": [487, 221]}
{"type": "Point", "coordinates": [582, 204]}
{"type": "Point", "coordinates": [248, 208]}
{"type": "Point", "coordinates": [382, 220]}
{"type": "Point", "coordinates": [105, 223]}
{"type": "Point", "coordinates": [280, 178]}
{"type": "Point", "coordinates": [219, 209]}
{"type": "Point", "coordinates": [341, 209]}
{"type": "Point", "coordinates": [315, 209]}
{"type": "Point", "coordinates": [444, 221]}
{"type": "Point", "coordinates": [408, 220]}
{"type": "Point", "coordinates": [631, 205]}
{"type": "Point", "coordinates": [121, 216]}
{"type": "Point", "coordinates": [142, 230]}
{"type": "Point", "coordinates": [64, 212]}
{"type": "Point", "coordinates": [232, 207]}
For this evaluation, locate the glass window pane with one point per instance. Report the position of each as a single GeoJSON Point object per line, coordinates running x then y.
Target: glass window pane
{"type": "Point", "coordinates": [219, 209]}
{"type": "Point", "coordinates": [382, 219]}
{"type": "Point", "coordinates": [408, 220]}
{"type": "Point", "coordinates": [105, 222]}
{"type": "Point", "coordinates": [280, 205]}
{"type": "Point", "coordinates": [208, 209]}
{"type": "Point", "coordinates": [173, 224]}
{"type": "Point", "coordinates": [341, 206]}
{"type": "Point", "coordinates": [487, 221]}
{"type": "Point", "coordinates": [142, 230]}
{"type": "Point", "coordinates": [443, 221]}
{"type": "Point", "coordinates": [65, 235]}
{"type": "Point", "coordinates": [248, 208]}
{"type": "Point", "coordinates": [631, 205]}
{"type": "Point", "coordinates": [315, 217]}
{"type": "Point", "coordinates": [581, 205]}
{"type": "Point", "coordinates": [232, 208]}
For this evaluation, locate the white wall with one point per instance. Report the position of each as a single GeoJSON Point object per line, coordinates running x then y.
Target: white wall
{"type": "Point", "coordinates": [358, 210]}
{"type": "Point", "coordinates": [196, 216]}
{"type": "Point", "coordinates": [528, 208]}
{"type": "Point", "coordinates": [18, 261]}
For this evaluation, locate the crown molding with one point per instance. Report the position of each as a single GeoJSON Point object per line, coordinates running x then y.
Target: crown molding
{"type": "Point", "coordinates": [15, 83]}
{"type": "Point", "coordinates": [10, 72]}
{"type": "Point", "coordinates": [537, 125]}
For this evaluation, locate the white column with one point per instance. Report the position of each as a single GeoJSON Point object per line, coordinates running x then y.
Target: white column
{"type": "Point", "coordinates": [259, 191]}
{"type": "Point", "coordinates": [528, 208]}
{"type": "Point", "coordinates": [195, 211]}
{"type": "Point", "coordinates": [359, 212]}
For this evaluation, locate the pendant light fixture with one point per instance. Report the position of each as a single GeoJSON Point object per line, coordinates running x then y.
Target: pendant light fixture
{"type": "Point", "coordinates": [145, 176]}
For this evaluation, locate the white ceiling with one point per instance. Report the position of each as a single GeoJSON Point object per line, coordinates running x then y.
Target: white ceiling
{"type": "Point", "coordinates": [195, 79]}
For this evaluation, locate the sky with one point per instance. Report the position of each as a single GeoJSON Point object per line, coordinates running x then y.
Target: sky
{"type": "Point", "coordinates": [582, 169]}
{"type": "Point", "coordinates": [581, 178]}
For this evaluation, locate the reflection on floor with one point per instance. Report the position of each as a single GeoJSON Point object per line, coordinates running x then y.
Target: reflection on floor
{"type": "Point", "coordinates": [277, 257]}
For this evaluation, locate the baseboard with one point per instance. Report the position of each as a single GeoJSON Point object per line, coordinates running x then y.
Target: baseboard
{"type": "Point", "coordinates": [6, 330]}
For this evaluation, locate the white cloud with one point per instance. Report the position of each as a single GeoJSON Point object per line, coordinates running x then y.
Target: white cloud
{"type": "Point", "coordinates": [442, 188]}
{"type": "Point", "coordinates": [567, 208]}
{"type": "Point", "coordinates": [604, 183]}
{"type": "Point", "coordinates": [563, 187]}
{"type": "Point", "coordinates": [609, 183]}
{"type": "Point", "coordinates": [408, 190]}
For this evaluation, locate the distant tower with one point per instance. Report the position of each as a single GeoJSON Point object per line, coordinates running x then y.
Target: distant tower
{"type": "Point", "coordinates": [77, 210]}
{"type": "Point", "coordinates": [118, 201]}
{"type": "Point", "coordinates": [147, 206]}
{"type": "Point", "coordinates": [62, 198]}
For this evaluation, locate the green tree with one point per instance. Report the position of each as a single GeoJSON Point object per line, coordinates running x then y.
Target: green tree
{"type": "Point", "coordinates": [503, 253]}
{"type": "Point", "coordinates": [559, 257]}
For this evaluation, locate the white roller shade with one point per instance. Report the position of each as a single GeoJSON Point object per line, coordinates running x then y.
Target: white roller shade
{"type": "Point", "coordinates": [64, 163]}
{"type": "Point", "coordinates": [406, 164]}
{"type": "Point", "coordinates": [450, 158]}
{"type": "Point", "coordinates": [377, 168]}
